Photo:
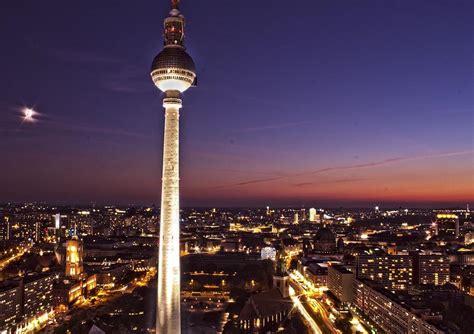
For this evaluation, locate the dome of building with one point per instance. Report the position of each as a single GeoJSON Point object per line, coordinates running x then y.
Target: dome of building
{"type": "Point", "coordinates": [324, 241]}
{"type": "Point", "coordinates": [173, 69]}
{"type": "Point", "coordinates": [325, 234]}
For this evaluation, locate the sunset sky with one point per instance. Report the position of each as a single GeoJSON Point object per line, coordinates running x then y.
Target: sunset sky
{"type": "Point", "coordinates": [330, 103]}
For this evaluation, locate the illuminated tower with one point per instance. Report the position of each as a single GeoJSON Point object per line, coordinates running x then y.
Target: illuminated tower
{"type": "Point", "coordinates": [173, 71]}
{"type": "Point", "coordinates": [74, 253]}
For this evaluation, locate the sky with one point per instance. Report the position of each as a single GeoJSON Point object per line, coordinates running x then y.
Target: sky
{"type": "Point", "coordinates": [307, 103]}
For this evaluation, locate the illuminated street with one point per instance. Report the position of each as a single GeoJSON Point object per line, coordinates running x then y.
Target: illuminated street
{"type": "Point", "coordinates": [18, 253]}
{"type": "Point", "coordinates": [304, 287]}
{"type": "Point", "coordinates": [301, 309]}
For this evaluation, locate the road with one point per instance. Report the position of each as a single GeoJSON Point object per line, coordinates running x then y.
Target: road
{"type": "Point", "coordinates": [303, 288]}
{"type": "Point", "coordinates": [20, 251]}
{"type": "Point", "coordinates": [302, 310]}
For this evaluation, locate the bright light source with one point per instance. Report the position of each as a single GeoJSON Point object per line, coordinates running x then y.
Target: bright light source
{"type": "Point", "coordinates": [28, 114]}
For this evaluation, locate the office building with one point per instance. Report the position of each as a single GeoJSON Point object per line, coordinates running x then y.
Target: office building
{"type": "Point", "coordinates": [432, 269]}
{"type": "Point", "coordinates": [388, 313]}
{"type": "Point", "coordinates": [10, 304]}
{"type": "Point", "coordinates": [394, 272]}
{"type": "Point", "coordinates": [313, 216]}
{"type": "Point", "coordinates": [340, 283]}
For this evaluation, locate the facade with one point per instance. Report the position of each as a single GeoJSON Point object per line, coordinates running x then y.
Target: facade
{"type": "Point", "coordinates": [74, 255]}
{"type": "Point", "coordinates": [5, 228]}
{"type": "Point", "coordinates": [24, 300]}
{"type": "Point", "coordinates": [394, 272]}
{"type": "Point", "coordinates": [173, 71]}
{"type": "Point", "coordinates": [387, 313]}
{"type": "Point", "coordinates": [10, 304]}
{"type": "Point", "coordinates": [268, 253]}
{"type": "Point", "coordinates": [430, 269]}
{"type": "Point", "coordinates": [313, 217]}
{"type": "Point", "coordinates": [447, 224]}
{"type": "Point", "coordinates": [317, 273]}
{"type": "Point", "coordinates": [340, 281]}
{"type": "Point", "coordinates": [37, 294]}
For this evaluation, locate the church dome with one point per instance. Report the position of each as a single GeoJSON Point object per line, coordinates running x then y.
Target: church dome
{"type": "Point", "coordinates": [324, 235]}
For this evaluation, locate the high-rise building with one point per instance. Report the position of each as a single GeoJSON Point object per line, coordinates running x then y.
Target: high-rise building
{"type": "Point", "coordinates": [296, 219]}
{"type": "Point", "coordinates": [388, 313]}
{"type": "Point", "coordinates": [432, 269]}
{"type": "Point", "coordinates": [37, 294]}
{"type": "Point", "coordinates": [447, 224]}
{"type": "Point", "coordinates": [10, 304]}
{"type": "Point", "coordinates": [393, 272]}
{"type": "Point", "coordinates": [173, 71]}
{"type": "Point", "coordinates": [340, 281]}
{"type": "Point", "coordinates": [74, 253]}
{"type": "Point", "coordinates": [5, 228]}
{"type": "Point", "coordinates": [313, 215]}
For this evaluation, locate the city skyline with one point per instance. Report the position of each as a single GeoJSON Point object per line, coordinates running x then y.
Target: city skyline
{"type": "Point", "coordinates": [378, 117]}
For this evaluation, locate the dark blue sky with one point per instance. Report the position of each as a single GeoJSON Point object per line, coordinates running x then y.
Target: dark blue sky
{"type": "Point", "coordinates": [307, 102]}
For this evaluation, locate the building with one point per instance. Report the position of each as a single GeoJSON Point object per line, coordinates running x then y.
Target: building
{"type": "Point", "coordinates": [173, 71]}
{"type": "Point", "coordinates": [264, 311]}
{"type": "Point", "coordinates": [313, 216]}
{"type": "Point", "coordinates": [324, 241]}
{"type": "Point", "coordinates": [430, 269]}
{"type": "Point", "coordinates": [447, 224]}
{"type": "Point", "coordinates": [394, 272]}
{"type": "Point", "coordinates": [317, 273]}
{"type": "Point", "coordinates": [468, 238]}
{"type": "Point", "coordinates": [10, 304]}
{"type": "Point", "coordinates": [340, 283]}
{"type": "Point", "coordinates": [24, 299]}
{"type": "Point", "coordinates": [74, 256]}
{"type": "Point", "coordinates": [37, 294]}
{"type": "Point", "coordinates": [268, 253]}
{"type": "Point", "coordinates": [387, 312]}
{"type": "Point", "coordinates": [5, 228]}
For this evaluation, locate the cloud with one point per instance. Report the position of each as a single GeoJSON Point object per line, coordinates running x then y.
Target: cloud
{"type": "Point", "coordinates": [106, 131]}
{"type": "Point", "coordinates": [390, 161]}
{"type": "Point", "coordinates": [82, 56]}
{"type": "Point", "coordinates": [129, 80]}
{"type": "Point", "coordinates": [348, 180]}
{"type": "Point", "coordinates": [62, 126]}
{"type": "Point", "coordinates": [372, 164]}
{"type": "Point", "coordinates": [260, 180]}
{"type": "Point", "coordinates": [272, 126]}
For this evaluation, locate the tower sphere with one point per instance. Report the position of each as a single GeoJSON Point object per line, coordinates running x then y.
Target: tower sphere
{"type": "Point", "coordinates": [173, 69]}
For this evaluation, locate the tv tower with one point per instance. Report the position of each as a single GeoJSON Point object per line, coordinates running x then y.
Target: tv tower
{"type": "Point", "coordinates": [173, 71]}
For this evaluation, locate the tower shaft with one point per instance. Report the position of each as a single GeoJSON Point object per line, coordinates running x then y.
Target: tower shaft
{"type": "Point", "coordinates": [168, 317]}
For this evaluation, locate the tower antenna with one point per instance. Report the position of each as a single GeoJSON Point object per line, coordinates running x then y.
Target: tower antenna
{"type": "Point", "coordinates": [175, 4]}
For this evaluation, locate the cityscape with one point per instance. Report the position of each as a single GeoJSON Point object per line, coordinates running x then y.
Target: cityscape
{"type": "Point", "coordinates": [316, 179]}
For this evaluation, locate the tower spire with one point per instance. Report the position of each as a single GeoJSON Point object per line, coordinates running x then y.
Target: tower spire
{"type": "Point", "coordinates": [175, 4]}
